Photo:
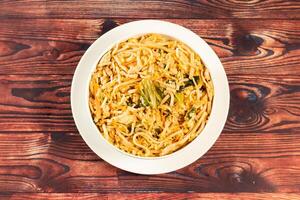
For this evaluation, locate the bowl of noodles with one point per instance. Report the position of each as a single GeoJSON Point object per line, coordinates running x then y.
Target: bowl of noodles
{"type": "Point", "coordinates": [150, 97]}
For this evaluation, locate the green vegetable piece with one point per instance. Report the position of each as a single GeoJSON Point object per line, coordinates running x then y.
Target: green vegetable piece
{"type": "Point", "coordinates": [189, 83]}
{"type": "Point", "coordinates": [190, 113]}
{"type": "Point", "coordinates": [151, 94]}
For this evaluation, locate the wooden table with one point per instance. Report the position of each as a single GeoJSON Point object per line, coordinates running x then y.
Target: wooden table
{"type": "Point", "coordinates": [42, 154]}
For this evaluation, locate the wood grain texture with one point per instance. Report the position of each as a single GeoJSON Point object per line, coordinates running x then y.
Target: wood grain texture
{"type": "Point", "coordinates": [42, 155]}
{"type": "Point", "coordinates": [150, 9]}
{"type": "Point", "coordinates": [55, 46]}
{"type": "Point", "coordinates": [152, 196]}
{"type": "Point", "coordinates": [35, 103]}
{"type": "Point", "coordinates": [62, 162]}
{"type": "Point", "coordinates": [262, 104]}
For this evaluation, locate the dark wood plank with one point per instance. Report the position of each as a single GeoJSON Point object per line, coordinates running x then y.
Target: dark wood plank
{"type": "Point", "coordinates": [55, 46]}
{"type": "Point", "coordinates": [41, 150]}
{"type": "Point", "coordinates": [150, 9]}
{"type": "Point", "coordinates": [264, 103]}
{"type": "Point", "coordinates": [35, 103]}
{"type": "Point", "coordinates": [238, 162]}
{"type": "Point", "coordinates": [45, 163]}
{"type": "Point", "coordinates": [259, 103]}
{"type": "Point", "coordinates": [153, 196]}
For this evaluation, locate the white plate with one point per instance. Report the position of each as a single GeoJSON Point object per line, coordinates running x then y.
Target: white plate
{"type": "Point", "coordinates": [109, 153]}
